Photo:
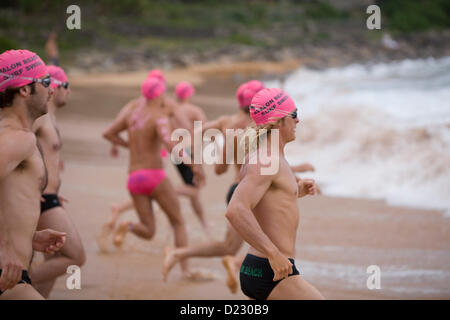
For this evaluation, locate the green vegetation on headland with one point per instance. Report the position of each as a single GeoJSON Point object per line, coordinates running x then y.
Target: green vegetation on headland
{"type": "Point", "coordinates": [153, 28]}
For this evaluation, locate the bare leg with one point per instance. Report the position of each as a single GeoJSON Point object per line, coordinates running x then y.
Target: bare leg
{"type": "Point", "coordinates": [232, 264]}
{"type": "Point", "coordinates": [145, 228]}
{"type": "Point", "coordinates": [21, 291]}
{"type": "Point", "coordinates": [118, 208]}
{"type": "Point", "coordinates": [107, 228]}
{"type": "Point", "coordinates": [194, 196]}
{"type": "Point", "coordinates": [229, 246]}
{"type": "Point", "coordinates": [167, 199]}
{"type": "Point", "coordinates": [294, 288]}
{"type": "Point", "coordinates": [72, 253]}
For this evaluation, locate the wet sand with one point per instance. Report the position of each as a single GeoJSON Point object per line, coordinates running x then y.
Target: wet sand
{"type": "Point", "coordinates": [338, 238]}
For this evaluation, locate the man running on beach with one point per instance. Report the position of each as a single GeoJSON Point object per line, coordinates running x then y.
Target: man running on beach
{"type": "Point", "coordinates": [176, 119]}
{"type": "Point", "coordinates": [148, 128]}
{"type": "Point", "coordinates": [53, 214]}
{"type": "Point", "coordinates": [264, 208]}
{"type": "Point", "coordinates": [230, 246]}
{"type": "Point", "coordinates": [24, 93]}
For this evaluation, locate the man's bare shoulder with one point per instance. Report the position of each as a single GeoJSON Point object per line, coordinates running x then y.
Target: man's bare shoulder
{"type": "Point", "coordinates": [237, 122]}
{"type": "Point", "coordinates": [226, 121]}
{"type": "Point", "coordinates": [132, 104]}
{"type": "Point", "coordinates": [41, 122]}
{"type": "Point", "coordinates": [253, 166]}
{"type": "Point", "coordinates": [194, 108]}
{"type": "Point", "coordinates": [128, 109]}
{"type": "Point", "coordinates": [170, 104]}
{"type": "Point", "coordinates": [16, 140]}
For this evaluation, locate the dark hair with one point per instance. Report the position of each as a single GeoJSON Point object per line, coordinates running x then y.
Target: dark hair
{"type": "Point", "coordinates": [7, 96]}
{"type": "Point", "coordinates": [246, 109]}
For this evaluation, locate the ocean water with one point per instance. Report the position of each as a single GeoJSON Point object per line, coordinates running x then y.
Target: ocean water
{"type": "Point", "coordinates": [377, 131]}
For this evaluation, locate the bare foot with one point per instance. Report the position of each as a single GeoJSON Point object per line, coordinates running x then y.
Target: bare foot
{"type": "Point", "coordinates": [170, 259]}
{"type": "Point", "coordinates": [119, 234]}
{"type": "Point", "coordinates": [229, 264]}
{"type": "Point", "coordinates": [102, 237]}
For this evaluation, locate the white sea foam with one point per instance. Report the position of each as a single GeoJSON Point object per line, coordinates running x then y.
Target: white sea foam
{"type": "Point", "coordinates": [376, 131]}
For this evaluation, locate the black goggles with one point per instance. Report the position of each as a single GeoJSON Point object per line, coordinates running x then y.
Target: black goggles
{"type": "Point", "coordinates": [293, 114]}
{"type": "Point", "coordinates": [65, 85]}
{"type": "Point", "coordinates": [45, 82]}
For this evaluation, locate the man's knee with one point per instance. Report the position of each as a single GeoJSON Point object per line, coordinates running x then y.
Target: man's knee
{"type": "Point", "coordinates": [149, 234]}
{"type": "Point", "coordinates": [80, 258]}
{"type": "Point", "coordinates": [77, 256]}
{"type": "Point", "coordinates": [224, 248]}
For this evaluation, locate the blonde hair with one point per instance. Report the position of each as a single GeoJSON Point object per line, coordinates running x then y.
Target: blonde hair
{"type": "Point", "coordinates": [255, 134]}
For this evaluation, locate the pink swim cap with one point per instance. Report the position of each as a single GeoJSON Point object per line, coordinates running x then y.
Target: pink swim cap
{"type": "Point", "coordinates": [269, 105]}
{"type": "Point", "coordinates": [152, 88]}
{"type": "Point", "coordinates": [184, 90]}
{"type": "Point", "coordinates": [255, 85]}
{"type": "Point", "coordinates": [18, 65]}
{"type": "Point", "coordinates": [156, 73]}
{"type": "Point", "coordinates": [56, 73]}
{"type": "Point", "coordinates": [246, 91]}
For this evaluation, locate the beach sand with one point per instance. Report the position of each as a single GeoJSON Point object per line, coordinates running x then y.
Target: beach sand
{"type": "Point", "coordinates": [338, 238]}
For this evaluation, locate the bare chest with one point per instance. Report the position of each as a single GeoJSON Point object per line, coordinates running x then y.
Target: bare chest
{"type": "Point", "coordinates": [31, 174]}
{"type": "Point", "coordinates": [49, 138]}
{"type": "Point", "coordinates": [285, 182]}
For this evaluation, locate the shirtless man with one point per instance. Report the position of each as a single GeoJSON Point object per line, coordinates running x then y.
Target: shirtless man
{"type": "Point", "coordinates": [148, 128]}
{"type": "Point", "coordinates": [24, 93]}
{"type": "Point", "coordinates": [176, 119]}
{"type": "Point", "coordinates": [53, 214]}
{"type": "Point", "coordinates": [187, 111]}
{"type": "Point", "coordinates": [264, 208]}
{"type": "Point", "coordinates": [229, 247]}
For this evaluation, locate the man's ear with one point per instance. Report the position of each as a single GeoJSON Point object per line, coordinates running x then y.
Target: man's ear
{"type": "Point", "coordinates": [25, 91]}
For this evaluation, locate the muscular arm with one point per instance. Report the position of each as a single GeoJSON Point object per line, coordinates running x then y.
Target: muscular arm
{"type": "Point", "coordinates": [215, 124]}
{"type": "Point", "coordinates": [247, 195]}
{"type": "Point", "coordinates": [302, 167]}
{"type": "Point", "coordinates": [112, 133]}
{"type": "Point", "coordinates": [15, 147]}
